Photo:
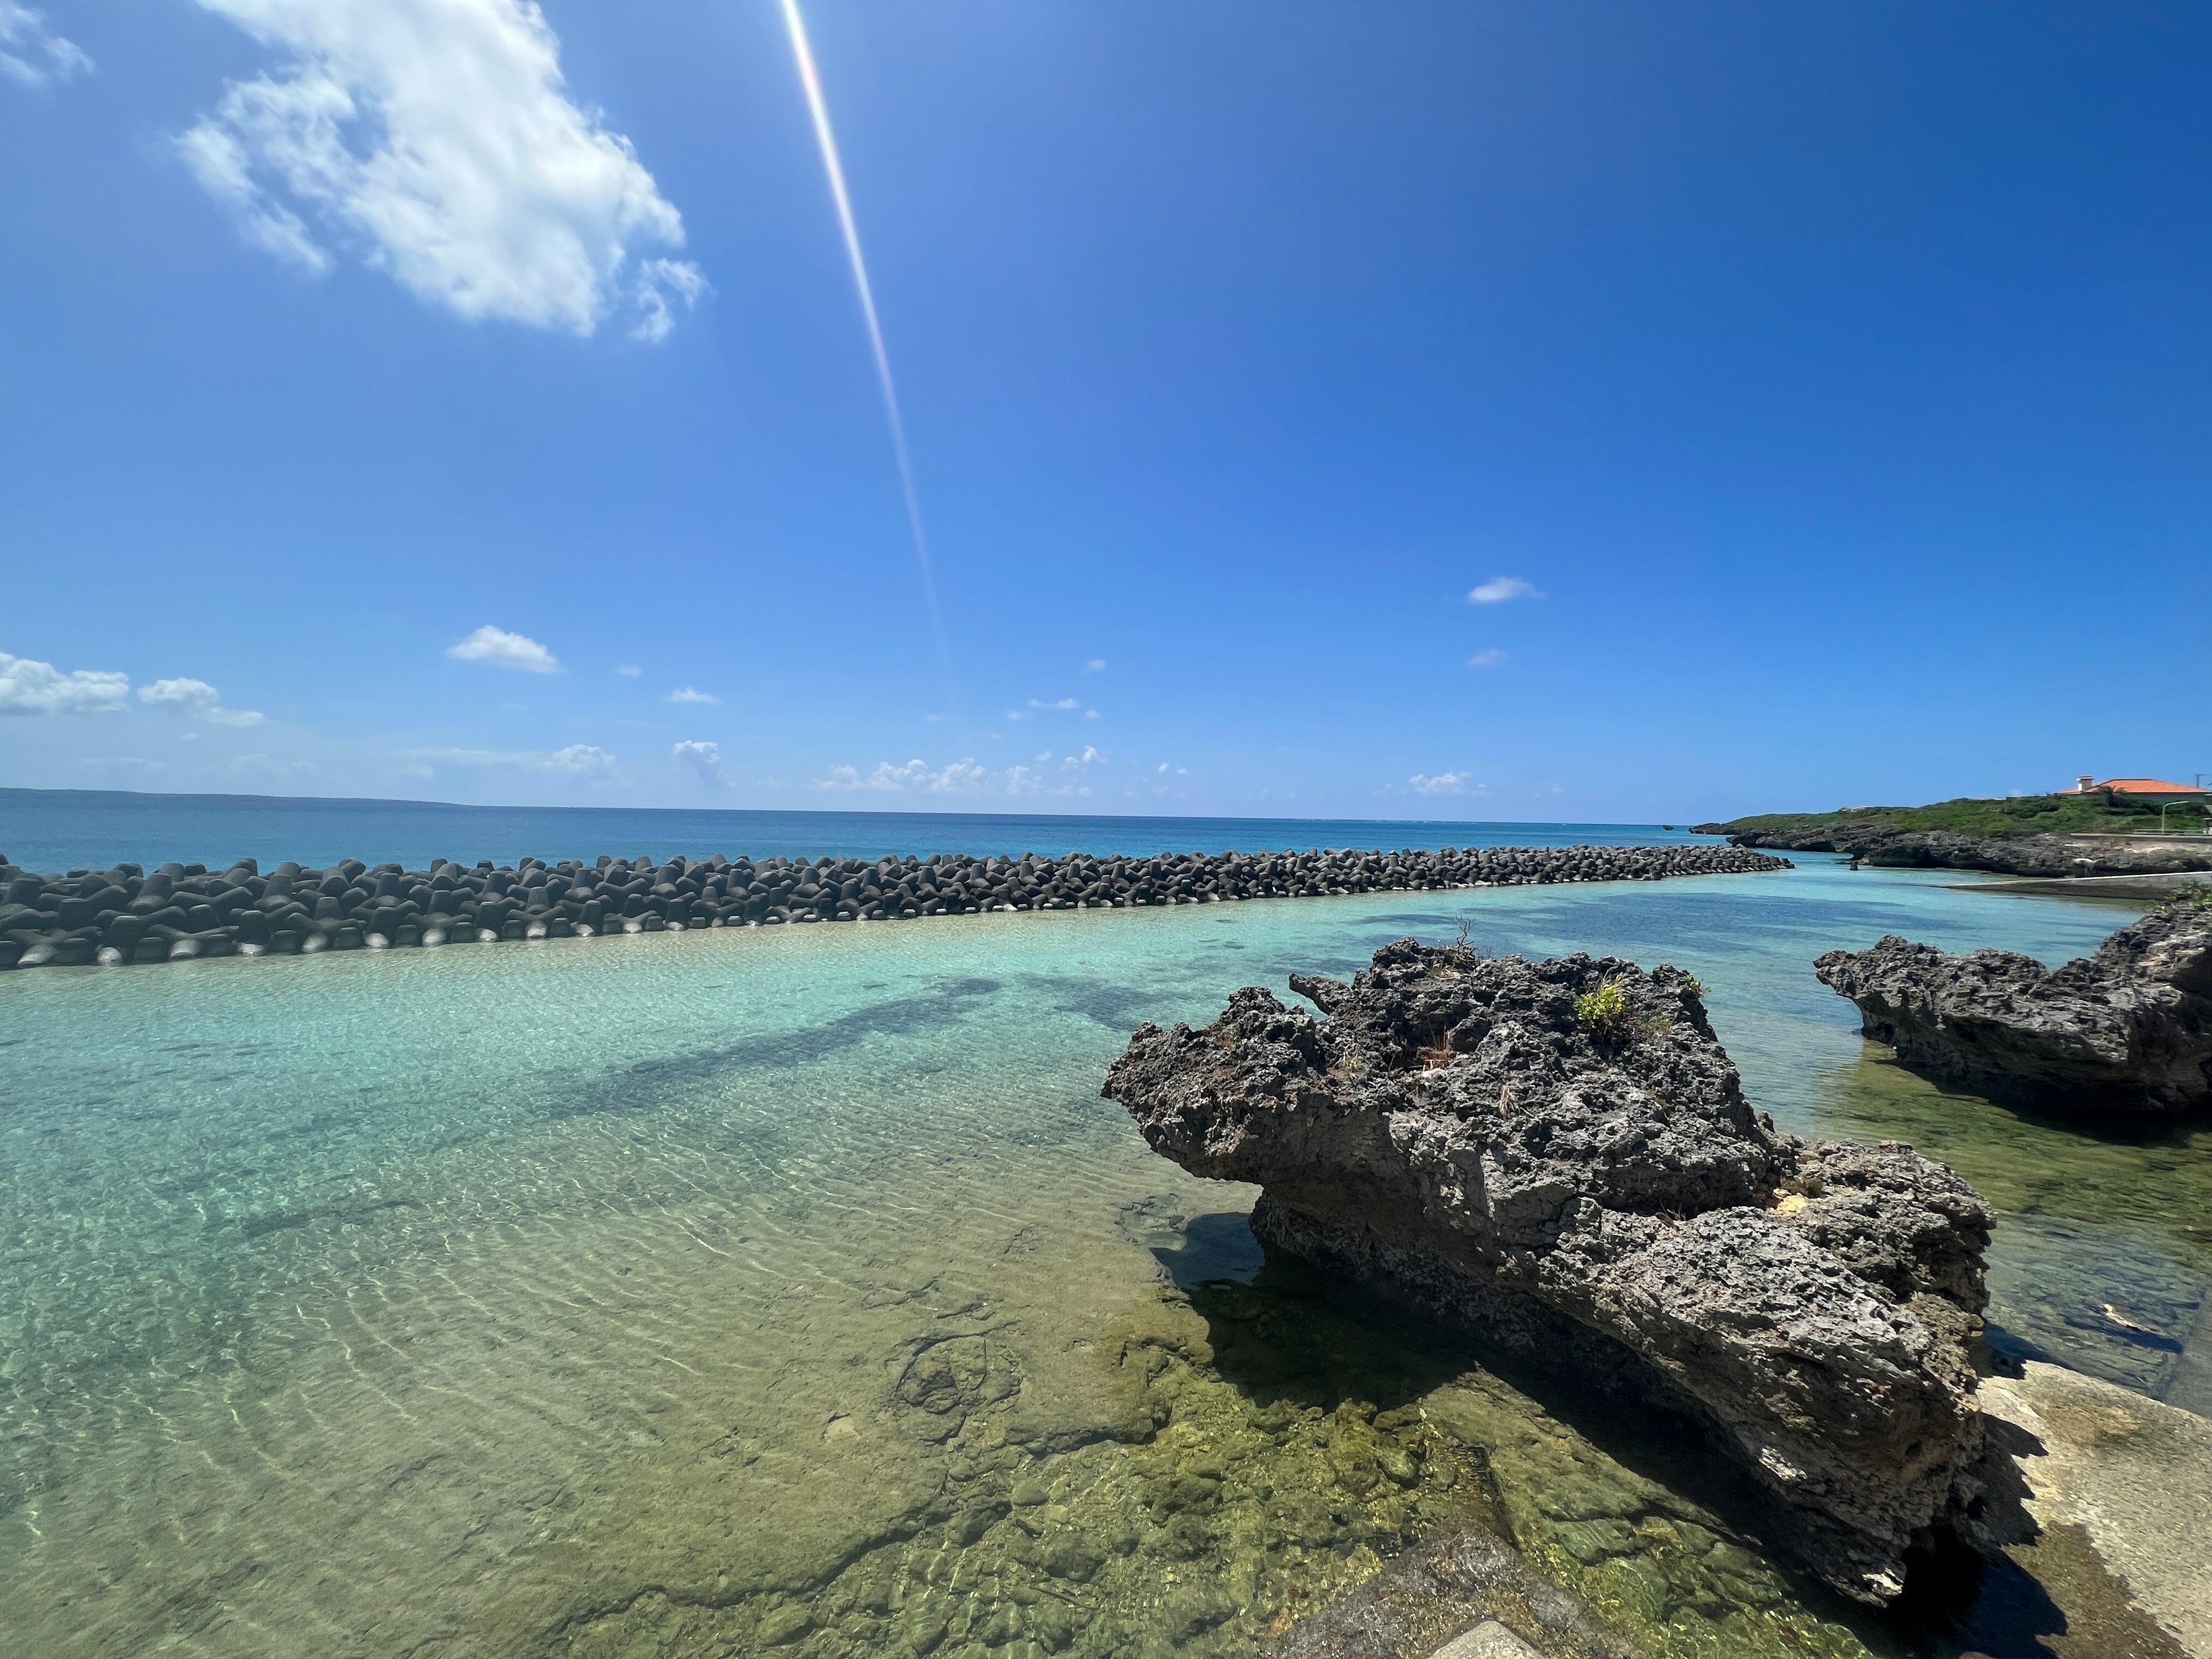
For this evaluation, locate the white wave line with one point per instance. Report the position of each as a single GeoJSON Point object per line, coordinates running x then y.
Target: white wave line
{"type": "Point", "coordinates": [820, 110]}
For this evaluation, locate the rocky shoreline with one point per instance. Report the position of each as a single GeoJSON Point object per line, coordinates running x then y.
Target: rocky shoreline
{"type": "Point", "coordinates": [1558, 1155]}
{"type": "Point", "coordinates": [2126, 1030]}
{"type": "Point", "coordinates": [1886, 847]}
{"type": "Point", "coordinates": [181, 911]}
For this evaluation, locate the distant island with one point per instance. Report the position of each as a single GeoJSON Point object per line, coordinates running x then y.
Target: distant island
{"type": "Point", "coordinates": [2015, 834]}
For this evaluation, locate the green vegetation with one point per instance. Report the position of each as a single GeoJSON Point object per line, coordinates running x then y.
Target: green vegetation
{"type": "Point", "coordinates": [1604, 1012]}
{"type": "Point", "coordinates": [2100, 812]}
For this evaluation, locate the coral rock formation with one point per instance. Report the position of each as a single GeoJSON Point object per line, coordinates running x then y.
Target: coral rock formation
{"type": "Point", "coordinates": [2127, 1029]}
{"type": "Point", "coordinates": [1877, 841]}
{"type": "Point", "coordinates": [1560, 1155]}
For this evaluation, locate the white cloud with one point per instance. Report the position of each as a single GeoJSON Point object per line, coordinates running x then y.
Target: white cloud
{"type": "Point", "coordinates": [704, 758]}
{"type": "Point", "coordinates": [1095, 665]}
{"type": "Point", "coordinates": [658, 281]}
{"type": "Point", "coordinates": [1065, 703]}
{"type": "Point", "coordinates": [963, 777]}
{"type": "Point", "coordinates": [1489, 658]}
{"type": "Point", "coordinates": [915, 774]}
{"type": "Point", "coordinates": [39, 687]}
{"type": "Point", "coordinates": [1443, 783]}
{"type": "Point", "coordinates": [501, 649]}
{"type": "Point", "coordinates": [1498, 589]}
{"type": "Point", "coordinates": [691, 694]}
{"type": "Point", "coordinates": [629, 671]}
{"type": "Point", "coordinates": [579, 760]}
{"type": "Point", "coordinates": [437, 137]}
{"type": "Point", "coordinates": [1091, 714]}
{"type": "Point", "coordinates": [196, 698]}
{"type": "Point", "coordinates": [31, 53]}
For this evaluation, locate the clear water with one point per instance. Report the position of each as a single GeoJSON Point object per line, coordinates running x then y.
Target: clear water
{"type": "Point", "coordinates": [792, 1291]}
{"type": "Point", "coordinates": [65, 828]}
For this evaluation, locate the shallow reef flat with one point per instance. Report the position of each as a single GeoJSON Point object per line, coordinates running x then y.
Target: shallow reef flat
{"type": "Point", "coordinates": [788, 1291]}
{"type": "Point", "coordinates": [123, 915]}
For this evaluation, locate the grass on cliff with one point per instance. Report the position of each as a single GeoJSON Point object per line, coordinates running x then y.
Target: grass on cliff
{"type": "Point", "coordinates": [2100, 812]}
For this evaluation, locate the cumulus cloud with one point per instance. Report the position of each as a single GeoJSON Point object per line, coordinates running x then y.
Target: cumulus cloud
{"type": "Point", "coordinates": [703, 758]}
{"type": "Point", "coordinates": [31, 53]}
{"type": "Point", "coordinates": [578, 760]}
{"type": "Point", "coordinates": [692, 693]}
{"type": "Point", "coordinates": [629, 671]}
{"type": "Point", "coordinates": [915, 774]}
{"type": "Point", "coordinates": [435, 138]}
{"type": "Point", "coordinates": [1489, 658]}
{"type": "Point", "coordinates": [1095, 665]}
{"type": "Point", "coordinates": [1443, 783]}
{"type": "Point", "coordinates": [1064, 702]}
{"type": "Point", "coordinates": [196, 698]}
{"type": "Point", "coordinates": [501, 649]}
{"type": "Point", "coordinates": [965, 777]}
{"type": "Point", "coordinates": [1498, 589]}
{"type": "Point", "coordinates": [38, 688]}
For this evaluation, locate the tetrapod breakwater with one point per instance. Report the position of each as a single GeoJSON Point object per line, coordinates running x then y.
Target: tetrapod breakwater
{"type": "Point", "coordinates": [126, 915]}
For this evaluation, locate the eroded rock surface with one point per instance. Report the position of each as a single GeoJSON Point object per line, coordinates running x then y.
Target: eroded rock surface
{"type": "Point", "coordinates": [2127, 1029]}
{"type": "Point", "coordinates": [1879, 842]}
{"type": "Point", "coordinates": [1560, 1154]}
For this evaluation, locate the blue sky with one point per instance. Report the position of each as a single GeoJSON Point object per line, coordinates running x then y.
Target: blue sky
{"type": "Point", "coordinates": [1536, 411]}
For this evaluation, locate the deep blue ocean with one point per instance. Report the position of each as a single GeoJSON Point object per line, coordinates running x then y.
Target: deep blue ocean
{"type": "Point", "coordinates": [65, 828]}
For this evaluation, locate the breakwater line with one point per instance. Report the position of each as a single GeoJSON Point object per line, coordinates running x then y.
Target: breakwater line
{"type": "Point", "coordinates": [124, 915]}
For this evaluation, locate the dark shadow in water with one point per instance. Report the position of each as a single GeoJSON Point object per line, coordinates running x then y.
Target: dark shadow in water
{"type": "Point", "coordinates": [1284, 1331]}
{"type": "Point", "coordinates": [1119, 1008]}
{"type": "Point", "coordinates": [1213, 1250]}
{"type": "Point", "coordinates": [2039, 1109]}
{"type": "Point", "coordinates": [1956, 1603]}
{"type": "Point", "coordinates": [650, 1082]}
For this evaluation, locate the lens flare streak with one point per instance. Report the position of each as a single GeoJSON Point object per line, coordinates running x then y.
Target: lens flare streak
{"type": "Point", "coordinates": [820, 108]}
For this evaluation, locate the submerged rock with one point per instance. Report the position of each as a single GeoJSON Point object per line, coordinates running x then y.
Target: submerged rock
{"type": "Point", "coordinates": [1560, 1154]}
{"type": "Point", "coordinates": [2128, 1029]}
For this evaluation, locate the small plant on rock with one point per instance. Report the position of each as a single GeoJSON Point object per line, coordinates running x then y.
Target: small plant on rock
{"type": "Point", "coordinates": [1604, 1013]}
{"type": "Point", "coordinates": [1458, 955]}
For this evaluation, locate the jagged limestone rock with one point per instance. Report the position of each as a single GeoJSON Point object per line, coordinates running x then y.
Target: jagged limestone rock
{"type": "Point", "coordinates": [1560, 1155]}
{"type": "Point", "coordinates": [2128, 1029]}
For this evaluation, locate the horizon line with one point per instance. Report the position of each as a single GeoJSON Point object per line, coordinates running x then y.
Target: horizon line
{"type": "Point", "coordinates": [7, 790]}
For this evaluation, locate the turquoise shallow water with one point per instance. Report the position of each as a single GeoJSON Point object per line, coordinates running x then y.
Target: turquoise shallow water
{"type": "Point", "coordinates": [792, 1290]}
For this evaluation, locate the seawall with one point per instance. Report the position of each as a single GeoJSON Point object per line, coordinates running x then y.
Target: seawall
{"type": "Point", "coordinates": [124, 916]}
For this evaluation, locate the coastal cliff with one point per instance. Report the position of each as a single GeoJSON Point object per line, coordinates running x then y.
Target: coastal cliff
{"type": "Point", "coordinates": [1559, 1156]}
{"type": "Point", "coordinates": [2126, 1030]}
{"type": "Point", "coordinates": [123, 914]}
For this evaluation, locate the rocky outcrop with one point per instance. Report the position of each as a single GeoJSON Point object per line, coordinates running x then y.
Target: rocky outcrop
{"type": "Point", "coordinates": [183, 910]}
{"type": "Point", "coordinates": [1559, 1155]}
{"type": "Point", "coordinates": [1878, 842]}
{"type": "Point", "coordinates": [2129, 1028]}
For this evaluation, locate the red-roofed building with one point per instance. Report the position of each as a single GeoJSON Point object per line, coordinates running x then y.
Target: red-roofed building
{"type": "Point", "coordinates": [2156, 791]}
